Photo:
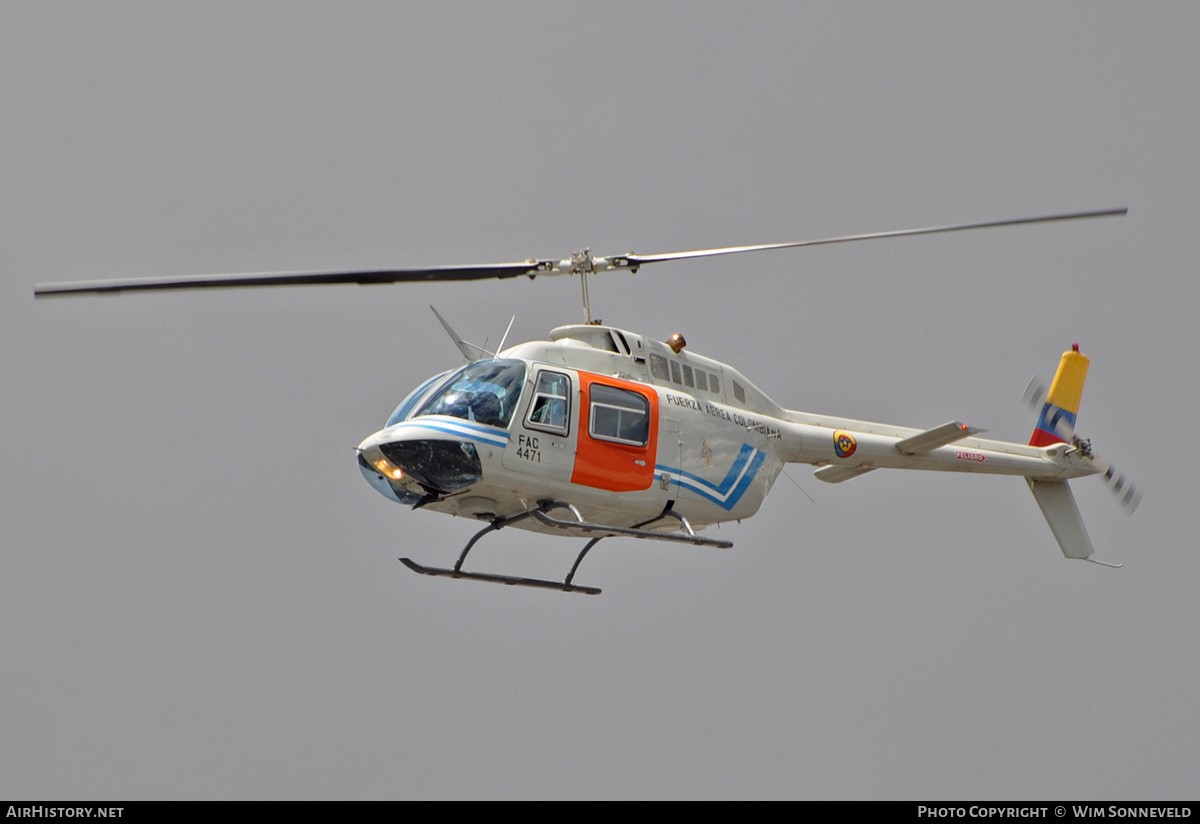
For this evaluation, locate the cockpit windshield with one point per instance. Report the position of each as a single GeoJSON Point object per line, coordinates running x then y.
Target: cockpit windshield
{"type": "Point", "coordinates": [484, 391]}
{"type": "Point", "coordinates": [416, 396]}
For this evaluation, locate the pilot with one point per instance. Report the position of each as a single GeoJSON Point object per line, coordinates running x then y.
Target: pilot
{"type": "Point", "coordinates": [485, 408]}
{"type": "Point", "coordinates": [550, 412]}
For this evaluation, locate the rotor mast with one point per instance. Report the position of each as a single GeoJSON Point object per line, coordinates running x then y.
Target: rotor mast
{"type": "Point", "coordinates": [581, 264]}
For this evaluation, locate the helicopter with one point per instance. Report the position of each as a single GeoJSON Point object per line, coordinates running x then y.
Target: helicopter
{"type": "Point", "coordinates": [602, 432]}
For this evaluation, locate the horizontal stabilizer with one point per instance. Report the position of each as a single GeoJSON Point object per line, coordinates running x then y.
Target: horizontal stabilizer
{"type": "Point", "coordinates": [837, 474]}
{"type": "Point", "coordinates": [1058, 505]}
{"type": "Point", "coordinates": [931, 439]}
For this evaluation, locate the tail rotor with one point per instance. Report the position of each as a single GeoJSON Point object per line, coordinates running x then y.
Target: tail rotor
{"type": "Point", "coordinates": [1058, 407]}
{"type": "Point", "coordinates": [1119, 484]}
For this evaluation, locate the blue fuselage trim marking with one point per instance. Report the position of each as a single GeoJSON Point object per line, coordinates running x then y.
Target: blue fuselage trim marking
{"type": "Point", "coordinates": [731, 489]}
{"type": "Point", "coordinates": [463, 429]}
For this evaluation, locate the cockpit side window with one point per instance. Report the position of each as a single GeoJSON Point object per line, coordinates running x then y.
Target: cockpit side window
{"type": "Point", "coordinates": [484, 391]}
{"type": "Point", "coordinates": [550, 410]}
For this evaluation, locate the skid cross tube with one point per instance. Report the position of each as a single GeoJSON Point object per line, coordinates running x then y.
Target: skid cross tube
{"type": "Point", "coordinates": [579, 523]}
{"type": "Point", "coordinates": [510, 580]}
{"type": "Point", "coordinates": [690, 538]}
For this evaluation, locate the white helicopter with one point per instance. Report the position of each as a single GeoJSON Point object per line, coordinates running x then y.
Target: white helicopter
{"type": "Point", "coordinates": [602, 432]}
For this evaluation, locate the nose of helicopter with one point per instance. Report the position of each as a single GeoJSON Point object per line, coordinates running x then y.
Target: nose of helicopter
{"type": "Point", "coordinates": [406, 468]}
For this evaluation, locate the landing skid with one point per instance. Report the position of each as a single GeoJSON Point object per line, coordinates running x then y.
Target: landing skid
{"type": "Point", "coordinates": [540, 515]}
{"type": "Point", "coordinates": [512, 581]}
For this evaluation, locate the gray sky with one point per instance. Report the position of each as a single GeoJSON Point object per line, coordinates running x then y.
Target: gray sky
{"type": "Point", "coordinates": [199, 595]}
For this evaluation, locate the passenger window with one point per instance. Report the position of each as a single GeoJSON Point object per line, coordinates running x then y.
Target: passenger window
{"type": "Point", "coordinates": [658, 367]}
{"type": "Point", "coordinates": [739, 392]}
{"type": "Point", "coordinates": [714, 383]}
{"type": "Point", "coordinates": [550, 410]}
{"type": "Point", "coordinates": [701, 379]}
{"type": "Point", "coordinates": [687, 376]}
{"type": "Point", "coordinates": [619, 415]}
{"type": "Point", "coordinates": [675, 374]}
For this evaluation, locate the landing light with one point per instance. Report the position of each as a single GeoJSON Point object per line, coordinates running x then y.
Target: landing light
{"type": "Point", "coordinates": [388, 468]}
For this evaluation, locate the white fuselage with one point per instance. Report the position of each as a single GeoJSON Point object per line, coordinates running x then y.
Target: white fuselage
{"type": "Point", "coordinates": [624, 428]}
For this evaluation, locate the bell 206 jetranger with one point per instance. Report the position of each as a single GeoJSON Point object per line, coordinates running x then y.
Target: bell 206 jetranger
{"type": "Point", "coordinates": [602, 432]}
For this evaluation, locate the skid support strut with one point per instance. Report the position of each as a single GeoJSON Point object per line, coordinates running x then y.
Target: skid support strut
{"type": "Point", "coordinates": [578, 523]}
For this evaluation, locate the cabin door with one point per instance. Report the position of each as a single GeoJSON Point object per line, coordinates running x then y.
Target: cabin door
{"type": "Point", "coordinates": [618, 434]}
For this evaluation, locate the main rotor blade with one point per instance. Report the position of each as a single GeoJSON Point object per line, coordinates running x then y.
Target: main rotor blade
{"type": "Point", "coordinates": [634, 260]}
{"type": "Point", "coordinates": [433, 273]}
{"type": "Point", "coordinates": [579, 263]}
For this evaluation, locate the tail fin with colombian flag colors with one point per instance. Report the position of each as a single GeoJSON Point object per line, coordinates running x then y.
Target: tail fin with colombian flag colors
{"type": "Point", "coordinates": [1056, 424]}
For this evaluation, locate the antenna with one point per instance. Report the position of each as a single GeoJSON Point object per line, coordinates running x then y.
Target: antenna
{"type": "Point", "coordinates": [504, 337]}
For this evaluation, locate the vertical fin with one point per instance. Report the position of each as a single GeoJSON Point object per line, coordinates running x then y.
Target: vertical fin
{"type": "Point", "coordinates": [1056, 424]}
{"type": "Point", "coordinates": [1058, 505]}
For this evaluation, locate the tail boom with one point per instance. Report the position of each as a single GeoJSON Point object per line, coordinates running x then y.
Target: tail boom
{"type": "Point", "coordinates": [842, 449]}
{"type": "Point", "coordinates": [853, 447]}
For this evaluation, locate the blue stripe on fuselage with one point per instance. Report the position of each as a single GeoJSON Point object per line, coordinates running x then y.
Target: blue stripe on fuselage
{"type": "Point", "coordinates": [731, 489]}
{"type": "Point", "coordinates": [463, 429]}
